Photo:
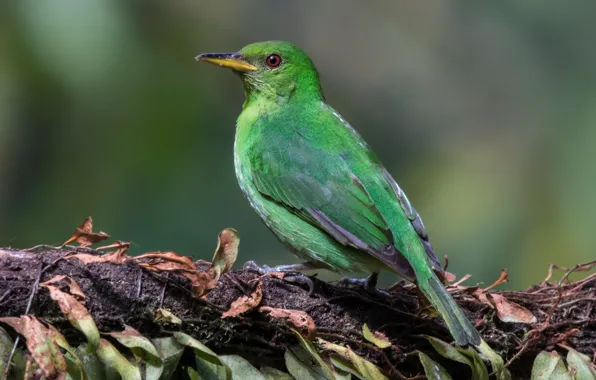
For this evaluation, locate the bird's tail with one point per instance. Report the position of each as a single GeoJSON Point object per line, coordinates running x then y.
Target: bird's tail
{"type": "Point", "coordinates": [462, 330]}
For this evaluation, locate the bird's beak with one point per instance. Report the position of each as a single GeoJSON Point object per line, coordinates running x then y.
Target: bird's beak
{"type": "Point", "coordinates": [233, 61]}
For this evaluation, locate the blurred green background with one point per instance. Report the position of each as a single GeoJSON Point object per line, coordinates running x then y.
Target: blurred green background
{"type": "Point", "coordinates": [485, 113]}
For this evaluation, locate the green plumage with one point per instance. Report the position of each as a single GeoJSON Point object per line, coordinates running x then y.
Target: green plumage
{"type": "Point", "coordinates": [319, 187]}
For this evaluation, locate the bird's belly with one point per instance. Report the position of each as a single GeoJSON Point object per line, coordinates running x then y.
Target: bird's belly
{"type": "Point", "coordinates": [306, 241]}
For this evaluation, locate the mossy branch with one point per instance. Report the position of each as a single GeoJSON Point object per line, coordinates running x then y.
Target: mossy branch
{"type": "Point", "coordinates": [119, 294]}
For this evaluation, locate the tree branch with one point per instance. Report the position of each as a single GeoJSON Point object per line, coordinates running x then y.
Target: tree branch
{"type": "Point", "coordinates": [128, 294]}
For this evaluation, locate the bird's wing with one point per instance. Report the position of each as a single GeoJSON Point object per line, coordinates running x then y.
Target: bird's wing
{"type": "Point", "coordinates": [319, 186]}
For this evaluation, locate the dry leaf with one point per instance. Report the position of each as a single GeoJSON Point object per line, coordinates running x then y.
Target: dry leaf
{"type": "Point", "coordinates": [41, 345]}
{"type": "Point", "coordinates": [297, 318]}
{"type": "Point", "coordinates": [73, 286]}
{"type": "Point", "coordinates": [377, 338]}
{"type": "Point", "coordinates": [201, 282]}
{"type": "Point", "coordinates": [449, 277]}
{"type": "Point", "coordinates": [117, 257]}
{"type": "Point", "coordinates": [504, 277]}
{"type": "Point", "coordinates": [85, 236]}
{"type": "Point", "coordinates": [76, 313]}
{"type": "Point", "coordinates": [226, 251]}
{"type": "Point", "coordinates": [245, 303]}
{"type": "Point", "coordinates": [508, 311]}
{"type": "Point", "coordinates": [461, 280]}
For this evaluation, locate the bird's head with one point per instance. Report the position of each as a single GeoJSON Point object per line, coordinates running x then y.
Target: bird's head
{"type": "Point", "coordinates": [274, 69]}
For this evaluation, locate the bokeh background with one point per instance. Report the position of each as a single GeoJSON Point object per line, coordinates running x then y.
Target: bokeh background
{"type": "Point", "coordinates": [485, 113]}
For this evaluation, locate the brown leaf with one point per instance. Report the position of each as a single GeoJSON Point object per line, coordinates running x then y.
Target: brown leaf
{"type": "Point", "coordinates": [70, 306]}
{"type": "Point", "coordinates": [226, 251]}
{"type": "Point", "coordinates": [40, 343]}
{"type": "Point", "coordinates": [297, 318]}
{"type": "Point", "coordinates": [504, 277]}
{"type": "Point", "coordinates": [461, 280]}
{"type": "Point", "coordinates": [449, 277]}
{"type": "Point", "coordinates": [85, 236]}
{"type": "Point", "coordinates": [245, 303]}
{"type": "Point", "coordinates": [76, 313]}
{"type": "Point", "coordinates": [73, 286]}
{"type": "Point", "coordinates": [508, 311]}
{"type": "Point", "coordinates": [201, 282]}
{"type": "Point", "coordinates": [117, 257]}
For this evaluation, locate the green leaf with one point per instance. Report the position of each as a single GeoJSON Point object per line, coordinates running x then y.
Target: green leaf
{"type": "Point", "coordinates": [299, 364]}
{"type": "Point", "coordinates": [344, 365]}
{"type": "Point", "coordinates": [432, 369]}
{"type": "Point", "coordinates": [200, 349]}
{"type": "Point", "coordinates": [580, 365]}
{"type": "Point", "coordinates": [112, 358]}
{"type": "Point", "coordinates": [204, 353]}
{"type": "Point", "coordinates": [275, 374]}
{"type": "Point", "coordinates": [448, 351]}
{"type": "Point", "coordinates": [209, 371]}
{"type": "Point", "coordinates": [377, 338]}
{"type": "Point", "coordinates": [94, 368]}
{"type": "Point", "coordinates": [364, 368]}
{"type": "Point", "coordinates": [75, 367]}
{"type": "Point", "coordinates": [466, 356]}
{"type": "Point", "coordinates": [143, 349]}
{"type": "Point", "coordinates": [170, 352]}
{"type": "Point", "coordinates": [496, 361]}
{"type": "Point", "coordinates": [77, 314]}
{"type": "Point", "coordinates": [241, 368]}
{"type": "Point", "coordinates": [310, 348]}
{"type": "Point", "coordinates": [17, 369]}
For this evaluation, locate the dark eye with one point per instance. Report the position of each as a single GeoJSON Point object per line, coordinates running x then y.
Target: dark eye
{"type": "Point", "coordinates": [273, 61]}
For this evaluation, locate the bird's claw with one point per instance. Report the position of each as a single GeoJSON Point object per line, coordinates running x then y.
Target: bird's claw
{"type": "Point", "coordinates": [290, 276]}
{"type": "Point", "coordinates": [252, 266]}
{"type": "Point", "coordinates": [301, 279]}
{"type": "Point", "coordinates": [368, 283]}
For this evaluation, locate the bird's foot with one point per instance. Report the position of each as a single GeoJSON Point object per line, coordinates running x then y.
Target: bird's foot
{"type": "Point", "coordinates": [291, 273]}
{"type": "Point", "coordinates": [368, 283]}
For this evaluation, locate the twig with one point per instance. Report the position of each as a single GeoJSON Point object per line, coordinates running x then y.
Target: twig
{"type": "Point", "coordinates": [16, 341]}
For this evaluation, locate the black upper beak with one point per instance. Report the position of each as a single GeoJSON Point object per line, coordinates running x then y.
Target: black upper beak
{"type": "Point", "coordinates": [233, 61]}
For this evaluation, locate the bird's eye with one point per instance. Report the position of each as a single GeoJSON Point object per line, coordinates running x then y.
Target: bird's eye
{"type": "Point", "coordinates": [273, 61]}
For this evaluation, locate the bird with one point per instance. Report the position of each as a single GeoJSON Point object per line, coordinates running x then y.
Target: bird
{"type": "Point", "coordinates": [319, 187]}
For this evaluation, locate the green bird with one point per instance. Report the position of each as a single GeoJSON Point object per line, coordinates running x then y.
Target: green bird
{"type": "Point", "coordinates": [319, 187]}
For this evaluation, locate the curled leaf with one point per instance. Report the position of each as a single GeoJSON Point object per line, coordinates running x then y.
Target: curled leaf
{"type": "Point", "coordinates": [363, 367]}
{"type": "Point", "coordinates": [308, 347]}
{"type": "Point", "coordinates": [297, 318]}
{"type": "Point", "coordinates": [245, 303]}
{"type": "Point", "coordinates": [40, 343]}
{"type": "Point", "coordinates": [508, 311]}
{"type": "Point", "coordinates": [201, 282]}
{"type": "Point", "coordinates": [377, 338]}
{"type": "Point", "coordinates": [85, 236]}
{"type": "Point", "coordinates": [117, 257]}
{"type": "Point", "coordinates": [142, 348]}
{"type": "Point", "coordinates": [77, 314]}
{"type": "Point", "coordinates": [498, 365]}
{"type": "Point", "coordinates": [226, 251]}
{"type": "Point", "coordinates": [73, 286]}
{"type": "Point", "coordinates": [112, 358]}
